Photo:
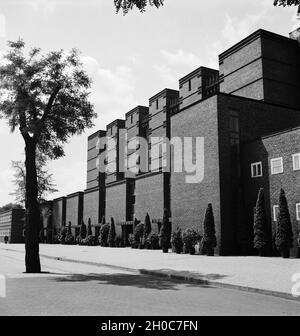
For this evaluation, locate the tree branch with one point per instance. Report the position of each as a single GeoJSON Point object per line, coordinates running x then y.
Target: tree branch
{"type": "Point", "coordinates": [48, 109]}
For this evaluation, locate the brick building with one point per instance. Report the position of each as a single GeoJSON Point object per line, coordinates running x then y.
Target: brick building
{"type": "Point", "coordinates": [12, 225]}
{"type": "Point", "coordinates": [243, 114]}
{"type": "Point", "coordinates": [272, 162]}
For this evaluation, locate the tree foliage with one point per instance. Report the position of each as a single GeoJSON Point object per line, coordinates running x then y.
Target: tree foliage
{"type": "Point", "coordinates": [286, 3]}
{"type": "Point", "coordinates": [44, 180]}
{"type": "Point", "coordinates": [126, 5]}
{"type": "Point", "coordinates": [10, 206]}
{"type": "Point", "coordinates": [45, 96]}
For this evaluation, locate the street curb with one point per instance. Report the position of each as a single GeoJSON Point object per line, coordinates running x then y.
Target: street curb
{"type": "Point", "coordinates": [204, 281]}
{"type": "Point", "coordinates": [174, 276]}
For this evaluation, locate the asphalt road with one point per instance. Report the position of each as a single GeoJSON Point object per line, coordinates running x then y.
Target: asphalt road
{"type": "Point", "coordinates": [76, 289]}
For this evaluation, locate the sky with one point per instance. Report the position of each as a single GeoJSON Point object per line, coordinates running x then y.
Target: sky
{"type": "Point", "coordinates": [129, 58]}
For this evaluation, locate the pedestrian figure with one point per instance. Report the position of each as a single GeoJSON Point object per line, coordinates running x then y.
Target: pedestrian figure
{"type": "Point", "coordinates": [5, 239]}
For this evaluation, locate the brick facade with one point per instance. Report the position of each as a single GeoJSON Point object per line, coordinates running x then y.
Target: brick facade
{"type": "Point", "coordinates": [12, 225]}
{"type": "Point", "coordinates": [59, 212]}
{"type": "Point", "coordinates": [74, 208]}
{"type": "Point", "coordinates": [281, 145]}
{"type": "Point", "coordinates": [232, 112]}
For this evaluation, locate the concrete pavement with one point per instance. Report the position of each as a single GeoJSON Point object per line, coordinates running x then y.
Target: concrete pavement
{"type": "Point", "coordinates": [66, 289]}
{"type": "Point", "coordinates": [256, 274]}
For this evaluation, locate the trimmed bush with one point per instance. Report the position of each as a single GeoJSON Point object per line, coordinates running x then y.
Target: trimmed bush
{"type": "Point", "coordinates": [111, 234]}
{"type": "Point", "coordinates": [165, 233]}
{"type": "Point", "coordinates": [119, 241]}
{"type": "Point", "coordinates": [89, 241]}
{"type": "Point", "coordinates": [177, 242]}
{"type": "Point", "coordinates": [139, 235]}
{"type": "Point", "coordinates": [152, 241]}
{"type": "Point", "coordinates": [89, 230]}
{"type": "Point", "coordinates": [104, 230]}
{"type": "Point", "coordinates": [190, 238]}
{"type": "Point", "coordinates": [147, 228]}
{"type": "Point", "coordinates": [82, 231]}
{"type": "Point", "coordinates": [132, 241]}
{"type": "Point", "coordinates": [284, 233]}
{"type": "Point", "coordinates": [62, 235]}
{"type": "Point", "coordinates": [260, 224]}
{"type": "Point", "coordinates": [70, 240]}
{"type": "Point", "coordinates": [209, 241]}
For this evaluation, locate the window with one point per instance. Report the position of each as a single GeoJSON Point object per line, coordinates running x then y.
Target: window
{"type": "Point", "coordinates": [298, 211]}
{"type": "Point", "coordinates": [296, 161]}
{"type": "Point", "coordinates": [256, 169]}
{"type": "Point", "coordinates": [234, 128]}
{"type": "Point", "coordinates": [131, 119]}
{"type": "Point", "coordinates": [275, 212]}
{"type": "Point", "coordinates": [157, 104]}
{"type": "Point", "coordinates": [276, 166]}
{"type": "Point", "coordinates": [190, 85]}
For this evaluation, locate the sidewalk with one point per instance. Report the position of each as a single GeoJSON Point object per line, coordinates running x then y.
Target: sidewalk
{"type": "Point", "coordinates": [256, 274]}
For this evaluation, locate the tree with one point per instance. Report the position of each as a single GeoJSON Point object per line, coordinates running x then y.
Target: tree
{"type": "Point", "coordinates": [46, 97]}
{"type": "Point", "coordinates": [147, 227]}
{"type": "Point", "coordinates": [260, 224]}
{"type": "Point", "coordinates": [284, 233]}
{"type": "Point", "coordinates": [126, 5]}
{"type": "Point", "coordinates": [82, 231]}
{"type": "Point", "coordinates": [89, 232]}
{"type": "Point", "coordinates": [44, 180]}
{"type": "Point", "coordinates": [10, 206]}
{"type": "Point", "coordinates": [165, 232]}
{"type": "Point", "coordinates": [209, 238]}
{"type": "Point", "coordinates": [111, 234]}
{"type": "Point", "coordinates": [286, 3]}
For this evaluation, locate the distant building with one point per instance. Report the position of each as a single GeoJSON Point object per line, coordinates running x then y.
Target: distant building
{"type": "Point", "coordinates": [12, 225]}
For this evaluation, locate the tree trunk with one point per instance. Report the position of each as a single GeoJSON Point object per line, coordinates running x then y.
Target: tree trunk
{"type": "Point", "coordinates": [32, 223]}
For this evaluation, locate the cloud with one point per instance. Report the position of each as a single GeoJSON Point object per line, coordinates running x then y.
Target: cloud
{"type": "Point", "coordinates": [2, 25]}
{"type": "Point", "coordinates": [175, 65]}
{"type": "Point", "coordinates": [181, 58]}
{"type": "Point", "coordinates": [113, 90]}
{"type": "Point", "coordinates": [46, 6]}
{"type": "Point", "coordinates": [235, 30]}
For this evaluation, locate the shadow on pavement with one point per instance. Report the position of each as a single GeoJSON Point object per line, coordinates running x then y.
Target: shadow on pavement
{"type": "Point", "coordinates": [123, 279]}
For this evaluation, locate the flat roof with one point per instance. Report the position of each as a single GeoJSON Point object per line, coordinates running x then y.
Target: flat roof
{"type": "Point", "coordinates": [161, 93]}
{"type": "Point", "coordinates": [196, 72]}
{"type": "Point", "coordinates": [252, 37]}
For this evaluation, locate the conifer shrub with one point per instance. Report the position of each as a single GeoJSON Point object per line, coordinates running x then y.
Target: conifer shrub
{"type": "Point", "coordinates": [177, 242]}
{"type": "Point", "coordinates": [103, 235]}
{"type": "Point", "coordinates": [111, 233]}
{"type": "Point", "coordinates": [209, 241]}
{"type": "Point", "coordinates": [284, 232]}
{"type": "Point", "coordinates": [260, 225]}
{"type": "Point", "coordinates": [190, 238]}
{"type": "Point", "coordinates": [62, 235]}
{"type": "Point", "coordinates": [69, 240]}
{"type": "Point", "coordinates": [165, 232]}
